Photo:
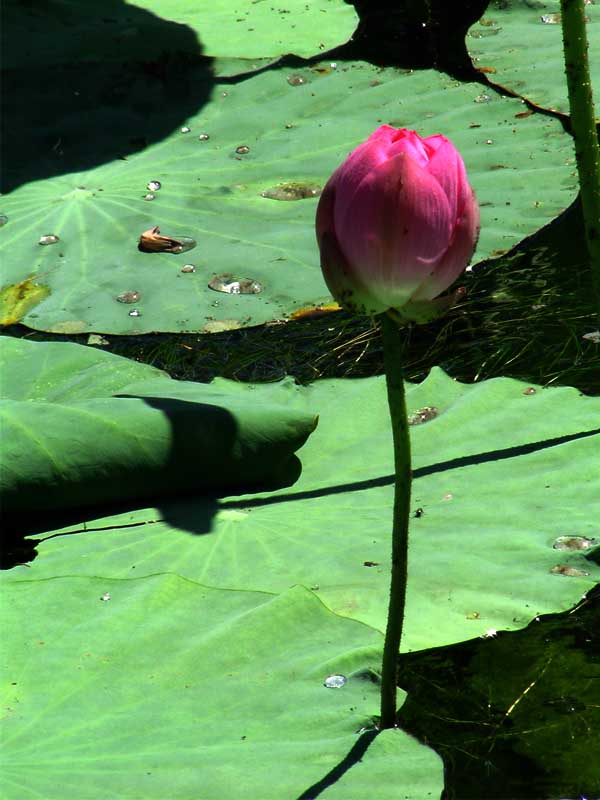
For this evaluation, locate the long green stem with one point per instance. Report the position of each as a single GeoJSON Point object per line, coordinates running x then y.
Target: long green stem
{"type": "Point", "coordinates": [392, 349]}
{"type": "Point", "coordinates": [583, 123]}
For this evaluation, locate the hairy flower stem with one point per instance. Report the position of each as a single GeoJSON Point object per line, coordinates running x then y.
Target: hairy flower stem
{"type": "Point", "coordinates": [583, 124]}
{"type": "Point", "coordinates": [393, 337]}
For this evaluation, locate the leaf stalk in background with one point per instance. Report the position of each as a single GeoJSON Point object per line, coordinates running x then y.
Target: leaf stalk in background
{"type": "Point", "coordinates": [392, 349]}
{"type": "Point", "coordinates": [583, 122]}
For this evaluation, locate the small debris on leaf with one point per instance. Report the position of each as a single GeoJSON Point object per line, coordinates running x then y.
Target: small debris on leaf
{"type": "Point", "coordinates": [567, 571]}
{"type": "Point", "coordinates": [152, 241]}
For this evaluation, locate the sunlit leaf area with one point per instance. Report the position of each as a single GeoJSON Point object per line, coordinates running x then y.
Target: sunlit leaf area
{"type": "Point", "coordinates": [197, 475]}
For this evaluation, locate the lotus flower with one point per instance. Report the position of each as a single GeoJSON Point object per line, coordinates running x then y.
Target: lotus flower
{"type": "Point", "coordinates": [397, 223]}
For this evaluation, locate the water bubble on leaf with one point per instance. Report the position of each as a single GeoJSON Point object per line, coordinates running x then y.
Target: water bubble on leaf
{"type": "Point", "coordinates": [296, 80]}
{"type": "Point", "coordinates": [129, 297]}
{"type": "Point", "coordinates": [184, 243]}
{"type": "Point", "coordinates": [242, 149]}
{"type": "Point", "coordinates": [149, 196]}
{"type": "Point", "coordinates": [335, 681]}
{"type": "Point", "coordinates": [153, 186]}
{"type": "Point", "coordinates": [423, 415]}
{"type": "Point", "coordinates": [135, 313]}
{"type": "Point", "coordinates": [185, 129]}
{"type": "Point", "coordinates": [293, 190]}
{"type": "Point", "coordinates": [188, 268]}
{"type": "Point", "coordinates": [204, 137]}
{"type": "Point", "coordinates": [569, 572]}
{"type": "Point", "coordinates": [3, 220]}
{"type": "Point", "coordinates": [573, 543]}
{"type": "Point", "coordinates": [448, 496]}
{"type": "Point", "coordinates": [482, 98]}
{"type": "Point", "coordinates": [105, 597]}
{"type": "Point", "coordinates": [49, 238]}
{"type": "Point", "coordinates": [529, 390]}
{"type": "Point", "coordinates": [230, 285]}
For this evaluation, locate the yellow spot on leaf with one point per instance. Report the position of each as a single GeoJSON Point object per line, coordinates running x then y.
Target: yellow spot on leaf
{"type": "Point", "coordinates": [18, 299]}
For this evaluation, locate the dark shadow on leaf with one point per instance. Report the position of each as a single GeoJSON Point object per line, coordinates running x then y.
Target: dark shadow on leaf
{"type": "Point", "coordinates": [420, 472]}
{"type": "Point", "coordinates": [354, 756]}
{"type": "Point", "coordinates": [86, 83]}
{"type": "Point", "coordinates": [406, 34]}
{"type": "Point", "coordinates": [208, 459]}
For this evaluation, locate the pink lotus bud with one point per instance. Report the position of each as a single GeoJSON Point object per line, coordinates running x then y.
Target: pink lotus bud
{"type": "Point", "coordinates": [397, 223]}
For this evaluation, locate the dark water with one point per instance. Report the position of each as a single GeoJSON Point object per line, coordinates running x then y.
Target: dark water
{"type": "Point", "coordinates": [515, 716]}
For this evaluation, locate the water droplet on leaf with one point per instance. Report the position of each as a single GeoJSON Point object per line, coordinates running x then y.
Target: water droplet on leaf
{"type": "Point", "coordinates": [335, 681]}
{"type": "Point", "coordinates": [135, 313]}
{"type": "Point", "coordinates": [573, 543]}
{"type": "Point", "coordinates": [423, 415]}
{"type": "Point", "coordinates": [129, 297]}
{"type": "Point", "coordinates": [188, 268]}
{"type": "Point", "coordinates": [569, 572]}
{"type": "Point", "coordinates": [230, 285]}
{"type": "Point", "coordinates": [185, 129]}
{"type": "Point", "coordinates": [296, 80]}
{"type": "Point", "coordinates": [529, 390]}
{"type": "Point", "coordinates": [242, 149]}
{"type": "Point", "coordinates": [204, 137]}
{"type": "Point", "coordinates": [49, 238]}
{"type": "Point", "coordinates": [482, 98]}
{"type": "Point", "coordinates": [149, 197]}
{"type": "Point", "coordinates": [3, 220]}
{"type": "Point", "coordinates": [154, 186]}
{"type": "Point", "coordinates": [105, 597]}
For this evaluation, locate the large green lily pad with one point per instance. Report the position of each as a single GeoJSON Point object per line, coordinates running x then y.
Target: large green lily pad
{"type": "Point", "coordinates": [186, 645]}
{"type": "Point", "coordinates": [213, 191]}
{"type": "Point", "coordinates": [520, 44]}
{"type": "Point", "coordinates": [152, 438]}
{"type": "Point", "coordinates": [500, 474]}
{"type": "Point", "coordinates": [161, 687]}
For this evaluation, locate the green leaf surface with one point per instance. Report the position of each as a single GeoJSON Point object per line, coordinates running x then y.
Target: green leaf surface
{"type": "Point", "coordinates": [261, 29]}
{"type": "Point", "coordinates": [520, 46]}
{"type": "Point", "coordinates": [521, 169]}
{"type": "Point", "coordinates": [156, 437]}
{"type": "Point", "coordinates": [161, 687]}
{"type": "Point", "coordinates": [500, 474]}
